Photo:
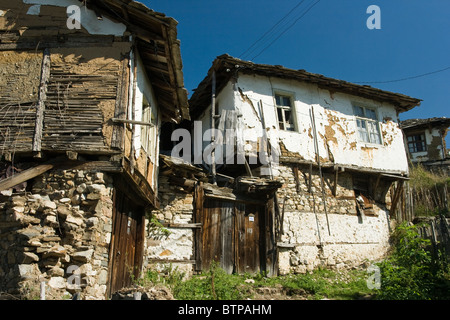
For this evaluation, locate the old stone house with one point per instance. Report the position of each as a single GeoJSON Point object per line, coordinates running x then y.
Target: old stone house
{"type": "Point", "coordinates": [425, 142]}
{"type": "Point", "coordinates": [306, 171]}
{"type": "Point", "coordinates": [85, 87]}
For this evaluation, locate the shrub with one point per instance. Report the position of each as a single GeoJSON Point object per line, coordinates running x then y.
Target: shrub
{"type": "Point", "coordinates": [412, 272]}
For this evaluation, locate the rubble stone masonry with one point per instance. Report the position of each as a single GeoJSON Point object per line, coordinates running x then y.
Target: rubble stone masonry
{"type": "Point", "coordinates": [59, 232]}
{"type": "Point", "coordinates": [341, 237]}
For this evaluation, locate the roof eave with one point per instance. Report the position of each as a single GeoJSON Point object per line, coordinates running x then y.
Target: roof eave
{"type": "Point", "coordinates": [224, 66]}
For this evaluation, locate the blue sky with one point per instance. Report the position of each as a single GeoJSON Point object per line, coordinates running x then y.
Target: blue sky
{"type": "Point", "coordinates": [330, 39]}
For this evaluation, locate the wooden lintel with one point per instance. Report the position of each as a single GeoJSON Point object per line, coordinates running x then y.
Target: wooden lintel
{"type": "Point", "coordinates": [160, 260]}
{"type": "Point", "coordinates": [236, 198]}
{"type": "Point", "coordinates": [142, 123]}
{"type": "Point", "coordinates": [183, 225]}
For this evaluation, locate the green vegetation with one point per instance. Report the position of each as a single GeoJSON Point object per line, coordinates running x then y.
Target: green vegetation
{"type": "Point", "coordinates": [412, 272]}
{"type": "Point", "coordinates": [217, 284]}
{"type": "Point", "coordinates": [430, 191]}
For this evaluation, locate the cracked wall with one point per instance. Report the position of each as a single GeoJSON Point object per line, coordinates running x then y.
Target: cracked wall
{"type": "Point", "coordinates": [337, 132]}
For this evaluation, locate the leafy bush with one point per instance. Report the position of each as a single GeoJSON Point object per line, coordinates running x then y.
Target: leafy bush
{"type": "Point", "coordinates": [412, 272]}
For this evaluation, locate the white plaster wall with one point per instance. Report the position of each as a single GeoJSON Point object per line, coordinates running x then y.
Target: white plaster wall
{"type": "Point", "coordinates": [334, 110]}
{"type": "Point", "coordinates": [143, 89]}
{"type": "Point", "coordinates": [352, 240]}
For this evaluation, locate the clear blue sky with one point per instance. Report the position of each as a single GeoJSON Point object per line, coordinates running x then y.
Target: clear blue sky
{"type": "Point", "coordinates": [330, 39]}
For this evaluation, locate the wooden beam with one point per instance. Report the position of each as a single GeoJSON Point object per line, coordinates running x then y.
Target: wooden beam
{"type": "Point", "coordinates": [183, 225]}
{"type": "Point", "coordinates": [142, 123]}
{"type": "Point", "coordinates": [45, 75]}
{"type": "Point", "coordinates": [397, 194]}
{"type": "Point", "coordinates": [161, 260]}
{"type": "Point", "coordinates": [26, 175]}
{"type": "Point", "coordinates": [336, 176]}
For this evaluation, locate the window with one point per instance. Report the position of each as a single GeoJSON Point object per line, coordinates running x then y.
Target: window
{"type": "Point", "coordinates": [147, 132]}
{"type": "Point", "coordinates": [416, 143]}
{"type": "Point", "coordinates": [367, 123]}
{"type": "Point", "coordinates": [284, 112]}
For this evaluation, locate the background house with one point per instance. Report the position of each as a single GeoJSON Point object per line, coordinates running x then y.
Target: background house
{"type": "Point", "coordinates": [81, 108]}
{"type": "Point", "coordinates": [341, 165]}
{"type": "Point", "coordinates": [425, 142]}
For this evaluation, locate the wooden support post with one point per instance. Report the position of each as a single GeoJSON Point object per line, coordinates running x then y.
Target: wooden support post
{"type": "Point", "coordinates": [120, 112]}
{"type": "Point", "coordinates": [313, 121]}
{"type": "Point", "coordinates": [213, 124]}
{"type": "Point", "coordinates": [336, 176]}
{"type": "Point", "coordinates": [45, 75]}
{"type": "Point", "coordinates": [397, 194]}
{"type": "Point", "coordinates": [133, 113]}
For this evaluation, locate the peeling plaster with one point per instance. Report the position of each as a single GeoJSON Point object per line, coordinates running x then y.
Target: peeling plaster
{"type": "Point", "coordinates": [88, 17]}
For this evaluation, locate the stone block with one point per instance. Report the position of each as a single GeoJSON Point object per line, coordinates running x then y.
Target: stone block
{"type": "Point", "coordinates": [28, 271]}
{"type": "Point", "coordinates": [27, 257]}
{"type": "Point", "coordinates": [83, 256]}
{"type": "Point", "coordinates": [57, 283]}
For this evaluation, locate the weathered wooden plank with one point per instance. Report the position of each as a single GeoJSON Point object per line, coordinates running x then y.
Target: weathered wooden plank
{"type": "Point", "coordinates": [45, 74]}
{"type": "Point", "coordinates": [161, 260]}
{"type": "Point", "coordinates": [25, 176]}
{"type": "Point", "coordinates": [142, 123]}
{"type": "Point", "coordinates": [198, 218]}
{"type": "Point", "coordinates": [121, 106]}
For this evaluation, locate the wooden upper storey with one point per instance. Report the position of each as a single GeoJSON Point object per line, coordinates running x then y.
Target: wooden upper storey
{"type": "Point", "coordinates": [71, 84]}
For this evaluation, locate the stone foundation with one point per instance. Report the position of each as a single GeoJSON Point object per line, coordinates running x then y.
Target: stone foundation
{"type": "Point", "coordinates": [342, 237]}
{"type": "Point", "coordinates": [175, 246]}
{"type": "Point", "coordinates": [58, 231]}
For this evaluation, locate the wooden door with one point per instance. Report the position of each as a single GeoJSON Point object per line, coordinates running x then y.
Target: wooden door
{"type": "Point", "coordinates": [127, 245]}
{"type": "Point", "coordinates": [217, 236]}
{"type": "Point", "coordinates": [233, 236]}
{"type": "Point", "coordinates": [249, 240]}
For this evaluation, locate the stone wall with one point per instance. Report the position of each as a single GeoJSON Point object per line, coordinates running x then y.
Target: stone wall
{"type": "Point", "coordinates": [342, 237]}
{"type": "Point", "coordinates": [175, 246]}
{"type": "Point", "coordinates": [58, 231]}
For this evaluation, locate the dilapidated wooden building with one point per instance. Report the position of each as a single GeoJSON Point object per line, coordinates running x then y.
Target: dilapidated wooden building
{"type": "Point", "coordinates": [425, 142]}
{"type": "Point", "coordinates": [307, 170]}
{"type": "Point", "coordinates": [85, 87]}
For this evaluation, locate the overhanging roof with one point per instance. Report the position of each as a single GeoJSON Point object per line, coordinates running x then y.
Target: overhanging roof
{"type": "Point", "coordinates": [441, 122]}
{"type": "Point", "coordinates": [226, 67]}
{"type": "Point", "coordinates": [159, 48]}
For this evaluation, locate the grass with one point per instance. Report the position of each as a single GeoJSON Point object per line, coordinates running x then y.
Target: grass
{"type": "Point", "coordinates": [216, 284]}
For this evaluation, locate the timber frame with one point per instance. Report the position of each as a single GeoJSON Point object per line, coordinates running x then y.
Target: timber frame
{"type": "Point", "coordinates": [80, 116]}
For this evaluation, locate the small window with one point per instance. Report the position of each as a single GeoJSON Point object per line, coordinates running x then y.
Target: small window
{"type": "Point", "coordinates": [367, 124]}
{"type": "Point", "coordinates": [416, 143]}
{"type": "Point", "coordinates": [148, 132]}
{"type": "Point", "coordinates": [284, 112]}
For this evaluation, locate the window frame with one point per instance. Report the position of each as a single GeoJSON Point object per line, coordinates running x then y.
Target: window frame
{"type": "Point", "coordinates": [414, 142]}
{"type": "Point", "coordinates": [290, 126]}
{"type": "Point", "coordinates": [147, 132]}
{"type": "Point", "coordinates": [368, 123]}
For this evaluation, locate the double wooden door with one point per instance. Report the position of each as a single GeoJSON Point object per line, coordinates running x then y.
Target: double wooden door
{"type": "Point", "coordinates": [233, 236]}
